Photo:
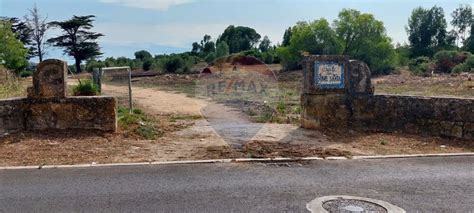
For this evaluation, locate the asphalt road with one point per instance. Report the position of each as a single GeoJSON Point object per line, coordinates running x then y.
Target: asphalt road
{"type": "Point", "coordinates": [417, 184]}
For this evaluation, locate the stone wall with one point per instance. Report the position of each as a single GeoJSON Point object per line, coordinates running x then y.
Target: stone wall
{"type": "Point", "coordinates": [12, 114]}
{"type": "Point", "coordinates": [48, 107]}
{"type": "Point", "coordinates": [358, 108]}
{"type": "Point", "coordinates": [94, 112]}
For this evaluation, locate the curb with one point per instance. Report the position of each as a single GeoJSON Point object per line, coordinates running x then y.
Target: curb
{"type": "Point", "coordinates": [237, 160]}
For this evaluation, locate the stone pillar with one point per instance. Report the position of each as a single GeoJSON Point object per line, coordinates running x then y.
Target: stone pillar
{"type": "Point", "coordinates": [49, 80]}
{"type": "Point", "coordinates": [330, 82]}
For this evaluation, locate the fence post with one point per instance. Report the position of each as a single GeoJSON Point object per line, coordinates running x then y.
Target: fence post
{"type": "Point", "coordinates": [96, 76]}
{"type": "Point", "coordinates": [130, 90]}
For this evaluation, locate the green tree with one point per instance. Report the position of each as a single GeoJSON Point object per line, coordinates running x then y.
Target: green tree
{"type": "Point", "coordinates": [196, 48]}
{"type": "Point", "coordinates": [12, 52]}
{"type": "Point", "coordinates": [469, 42]}
{"type": "Point", "coordinates": [364, 38]}
{"type": "Point", "coordinates": [402, 54]}
{"type": "Point", "coordinates": [426, 31]}
{"type": "Point", "coordinates": [77, 41]}
{"type": "Point", "coordinates": [222, 49]}
{"type": "Point", "coordinates": [315, 37]}
{"type": "Point", "coordinates": [462, 21]}
{"type": "Point", "coordinates": [286, 37]}
{"type": "Point", "coordinates": [207, 44]}
{"type": "Point", "coordinates": [265, 44]}
{"type": "Point", "coordinates": [92, 63]}
{"type": "Point", "coordinates": [204, 47]}
{"type": "Point", "coordinates": [22, 32]}
{"type": "Point", "coordinates": [143, 55]}
{"type": "Point", "coordinates": [239, 38]}
{"type": "Point", "coordinates": [173, 64]}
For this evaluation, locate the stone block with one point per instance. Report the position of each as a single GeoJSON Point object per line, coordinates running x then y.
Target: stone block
{"type": "Point", "coordinates": [95, 112]}
{"type": "Point", "coordinates": [12, 114]}
{"type": "Point", "coordinates": [359, 78]}
{"type": "Point", "coordinates": [49, 80]}
{"type": "Point", "coordinates": [340, 71]}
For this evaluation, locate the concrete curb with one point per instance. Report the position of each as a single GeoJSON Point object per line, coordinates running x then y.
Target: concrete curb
{"type": "Point", "coordinates": [237, 160]}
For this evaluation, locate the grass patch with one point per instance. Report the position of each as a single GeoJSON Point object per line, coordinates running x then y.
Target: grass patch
{"type": "Point", "coordinates": [12, 87]}
{"type": "Point", "coordinates": [138, 124]}
{"type": "Point", "coordinates": [85, 88]}
{"type": "Point", "coordinates": [174, 118]}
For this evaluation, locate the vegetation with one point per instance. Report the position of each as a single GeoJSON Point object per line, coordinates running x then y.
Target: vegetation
{"type": "Point", "coordinates": [427, 31]}
{"type": "Point", "coordinates": [239, 38]}
{"type": "Point", "coordinates": [85, 88]}
{"type": "Point", "coordinates": [12, 87]}
{"type": "Point", "coordinates": [137, 123]}
{"type": "Point", "coordinates": [353, 33]}
{"type": "Point", "coordinates": [76, 40]}
{"type": "Point", "coordinates": [356, 34]}
{"type": "Point", "coordinates": [12, 52]}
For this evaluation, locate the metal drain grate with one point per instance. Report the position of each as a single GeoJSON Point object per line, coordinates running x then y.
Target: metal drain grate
{"type": "Point", "coordinates": [352, 204]}
{"type": "Point", "coordinates": [341, 205]}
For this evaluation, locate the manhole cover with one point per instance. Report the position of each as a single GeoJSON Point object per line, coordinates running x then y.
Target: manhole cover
{"type": "Point", "coordinates": [350, 205]}
{"type": "Point", "coordinates": [346, 204]}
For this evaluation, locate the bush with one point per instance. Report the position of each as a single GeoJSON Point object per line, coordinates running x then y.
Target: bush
{"type": "Point", "coordinates": [210, 57]}
{"type": "Point", "coordinates": [467, 66]}
{"type": "Point", "coordinates": [147, 65]}
{"type": "Point", "coordinates": [463, 67]}
{"type": "Point", "coordinates": [446, 60]}
{"type": "Point", "coordinates": [413, 64]}
{"type": "Point", "coordinates": [85, 88]}
{"type": "Point", "coordinates": [25, 74]}
{"type": "Point", "coordinates": [173, 64]}
{"type": "Point", "coordinates": [470, 62]}
{"type": "Point", "coordinates": [91, 64]}
{"type": "Point", "coordinates": [137, 123]}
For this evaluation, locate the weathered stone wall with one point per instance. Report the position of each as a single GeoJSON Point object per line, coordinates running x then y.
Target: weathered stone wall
{"type": "Point", "coordinates": [436, 116]}
{"type": "Point", "coordinates": [47, 106]}
{"type": "Point", "coordinates": [12, 114]}
{"type": "Point", "coordinates": [94, 112]}
{"type": "Point", "coordinates": [358, 108]}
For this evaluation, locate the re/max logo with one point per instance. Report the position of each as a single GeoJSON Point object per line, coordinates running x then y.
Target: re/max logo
{"type": "Point", "coordinates": [237, 86]}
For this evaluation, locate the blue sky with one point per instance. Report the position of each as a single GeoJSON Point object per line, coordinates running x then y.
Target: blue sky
{"type": "Point", "coordinates": [170, 26]}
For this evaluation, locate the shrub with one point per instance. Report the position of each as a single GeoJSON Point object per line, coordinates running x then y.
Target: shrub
{"type": "Point", "coordinates": [470, 62]}
{"type": "Point", "coordinates": [463, 67]}
{"type": "Point", "coordinates": [446, 60]}
{"type": "Point", "coordinates": [467, 66]}
{"type": "Point", "coordinates": [421, 66]}
{"type": "Point", "coordinates": [91, 64]}
{"type": "Point", "coordinates": [137, 123]}
{"type": "Point", "coordinates": [25, 74]}
{"type": "Point", "coordinates": [147, 65]}
{"type": "Point", "coordinates": [85, 88]}
{"type": "Point", "coordinates": [173, 64]}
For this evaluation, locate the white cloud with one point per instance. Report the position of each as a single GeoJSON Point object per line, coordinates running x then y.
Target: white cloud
{"type": "Point", "coordinates": [161, 5]}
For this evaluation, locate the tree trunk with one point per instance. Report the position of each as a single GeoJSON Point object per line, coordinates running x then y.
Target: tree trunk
{"type": "Point", "coordinates": [78, 65]}
{"type": "Point", "coordinates": [40, 53]}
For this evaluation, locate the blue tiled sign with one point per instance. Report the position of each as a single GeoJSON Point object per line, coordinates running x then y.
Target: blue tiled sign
{"type": "Point", "coordinates": [329, 75]}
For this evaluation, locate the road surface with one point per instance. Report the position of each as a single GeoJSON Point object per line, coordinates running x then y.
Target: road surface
{"type": "Point", "coordinates": [417, 184]}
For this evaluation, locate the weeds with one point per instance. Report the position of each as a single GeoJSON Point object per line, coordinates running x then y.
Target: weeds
{"type": "Point", "coordinates": [174, 118]}
{"type": "Point", "coordinates": [85, 88]}
{"type": "Point", "coordinates": [138, 123]}
{"type": "Point", "coordinates": [12, 87]}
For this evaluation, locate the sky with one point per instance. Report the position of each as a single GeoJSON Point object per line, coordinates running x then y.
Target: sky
{"type": "Point", "coordinates": [171, 26]}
